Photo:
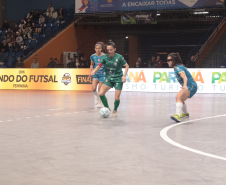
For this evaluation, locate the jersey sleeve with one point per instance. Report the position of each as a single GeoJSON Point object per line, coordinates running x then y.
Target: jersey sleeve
{"type": "Point", "coordinates": [103, 60]}
{"type": "Point", "coordinates": [91, 58]}
{"type": "Point", "coordinates": [179, 69]}
{"type": "Point", "coordinates": [123, 61]}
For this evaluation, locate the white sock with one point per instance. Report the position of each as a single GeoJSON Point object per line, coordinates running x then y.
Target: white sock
{"type": "Point", "coordinates": [184, 109]}
{"type": "Point", "coordinates": [179, 107]}
{"type": "Point", "coordinates": [97, 95]}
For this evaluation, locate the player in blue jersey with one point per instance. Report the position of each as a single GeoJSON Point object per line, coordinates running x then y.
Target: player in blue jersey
{"type": "Point", "coordinates": [189, 86]}
{"type": "Point", "coordinates": [99, 77]}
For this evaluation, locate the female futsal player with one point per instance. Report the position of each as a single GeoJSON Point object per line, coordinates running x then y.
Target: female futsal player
{"type": "Point", "coordinates": [189, 86]}
{"type": "Point", "coordinates": [100, 76]}
{"type": "Point", "coordinates": [114, 75]}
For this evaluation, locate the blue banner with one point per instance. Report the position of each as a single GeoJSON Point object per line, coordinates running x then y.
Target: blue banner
{"type": "Point", "coordinates": [95, 6]}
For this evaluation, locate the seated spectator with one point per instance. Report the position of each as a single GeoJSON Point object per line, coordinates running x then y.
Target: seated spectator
{"type": "Point", "coordinates": [4, 46]}
{"type": "Point", "coordinates": [35, 64]}
{"type": "Point", "coordinates": [150, 64]}
{"type": "Point", "coordinates": [9, 31]}
{"type": "Point", "coordinates": [7, 38]}
{"type": "Point", "coordinates": [31, 14]}
{"type": "Point", "coordinates": [77, 64]}
{"type": "Point", "coordinates": [19, 63]}
{"type": "Point", "coordinates": [51, 64]}
{"type": "Point", "coordinates": [41, 19]}
{"type": "Point", "coordinates": [19, 39]}
{"type": "Point", "coordinates": [37, 14]}
{"type": "Point", "coordinates": [71, 64]}
{"type": "Point", "coordinates": [39, 30]}
{"type": "Point", "coordinates": [28, 33]}
{"type": "Point", "coordinates": [61, 14]}
{"type": "Point", "coordinates": [137, 65]}
{"type": "Point", "coordinates": [5, 25]}
{"type": "Point", "coordinates": [29, 22]}
{"type": "Point", "coordinates": [15, 29]}
{"type": "Point", "coordinates": [55, 60]}
{"type": "Point", "coordinates": [33, 28]}
{"type": "Point", "coordinates": [155, 64]}
{"type": "Point", "coordinates": [55, 14]}
{"type": "Point", "coordinates": [12, 40]}
{"type": "Point", "coordinates": [83, 61]}
{"type": "Point", "coordinates": [142, 65]}
{"type": "Point", "coordinates": [160, 62]}
{"type": "Point", "coordinates": [22, 24]}
{"type": "Point", "coordinates": [16, 46]}
{"type": "Point", "coordinates": [2, 65]}
{"type": "Point", "coordinates": [23, 46]}
{"type": "Point", "coordinates": [2, 58]}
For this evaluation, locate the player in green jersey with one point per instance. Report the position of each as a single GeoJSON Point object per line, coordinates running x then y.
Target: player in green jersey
{"type": "Point", "coordinates": [114, 75]}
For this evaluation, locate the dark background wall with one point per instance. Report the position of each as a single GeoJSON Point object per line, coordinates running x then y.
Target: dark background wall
{"type": "Point", "coordinates": [16, 9]}
{"type": "Point", "coordinates": [2, 11]}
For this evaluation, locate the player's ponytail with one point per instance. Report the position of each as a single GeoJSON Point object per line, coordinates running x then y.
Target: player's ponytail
{"type": "Point", "coordinates": [111, 43]}
{"type": "Point", "coordinates": [176, 59]}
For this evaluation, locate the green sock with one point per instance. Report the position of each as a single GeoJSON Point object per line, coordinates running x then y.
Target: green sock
{"type": "Point", "coordinates": [116, 104]}
{"type": "Point", "coordinates": [104, 101]}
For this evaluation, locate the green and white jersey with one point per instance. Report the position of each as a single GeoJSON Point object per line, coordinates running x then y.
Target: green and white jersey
{"type": "Point", "coordinates": [114, 65]}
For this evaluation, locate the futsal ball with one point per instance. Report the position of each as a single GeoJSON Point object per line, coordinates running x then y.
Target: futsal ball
{"type": "Point", "coordinates": [105, 112]}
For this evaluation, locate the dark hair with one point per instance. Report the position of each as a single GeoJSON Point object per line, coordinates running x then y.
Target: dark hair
{"type": "Point", "coordinates": [101, 44]}
{"type": "Point", "coordinates": [176, 59]}
{"type": "Point", "coordinates": [110, 43]}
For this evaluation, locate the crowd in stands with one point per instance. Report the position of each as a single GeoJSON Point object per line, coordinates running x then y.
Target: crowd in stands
{"type": "Point", "coordinates": [78, 62]}
{"type": "Point", "coordinates": [152, 63]}
{"type": "Point", "coordinates": [14, 40]}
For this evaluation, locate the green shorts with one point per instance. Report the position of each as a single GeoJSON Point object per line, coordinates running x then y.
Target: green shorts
{"type": "Point", "coordinates": [116, 85]}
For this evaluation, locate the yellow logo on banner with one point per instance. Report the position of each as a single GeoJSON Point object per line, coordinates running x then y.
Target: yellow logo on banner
{"type": "Point", "coordinates": [109, 1]}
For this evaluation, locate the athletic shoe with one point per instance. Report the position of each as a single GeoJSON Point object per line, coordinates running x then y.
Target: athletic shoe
{"type": "Point", "coordinates": [99, 105]}
{"type": "Point", "coordinates": [184, 115]}
{"type": "Point", "coordinates": [114, 113]}
{"type": "Point", "coordinates": [175, 117]}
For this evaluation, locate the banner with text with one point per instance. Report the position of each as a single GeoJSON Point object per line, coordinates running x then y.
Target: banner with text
{"type": "Point", "coordinates": [94, 6]}
{"type": "Point", "coordinates": [45, 79]}
{"type": "Point", "coordinates": [137, 80]}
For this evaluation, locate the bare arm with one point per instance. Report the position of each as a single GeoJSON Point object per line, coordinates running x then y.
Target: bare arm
{"type": "Point", "coordinates": [125, 73]}
{"type": "Point", "coordinates": [91, 67]}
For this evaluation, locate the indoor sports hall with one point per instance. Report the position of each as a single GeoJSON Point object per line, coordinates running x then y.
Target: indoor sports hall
{"type": "Point", "coordinates": [106, 92]}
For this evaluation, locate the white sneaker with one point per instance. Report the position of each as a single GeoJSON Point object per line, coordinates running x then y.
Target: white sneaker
{"type": "Point", "coordinates": [114, 113]}
{"type": "Point", "coordinates": [96, 101]}
{"type": "Point", "coordinates": [99, 105]}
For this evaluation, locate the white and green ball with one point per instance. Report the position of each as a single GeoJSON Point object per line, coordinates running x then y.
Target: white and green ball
{"type": "Point", "coordinates": [105, 112]}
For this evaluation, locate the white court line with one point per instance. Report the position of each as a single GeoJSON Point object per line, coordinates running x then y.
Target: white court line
{"type": "Point", "coordinates": [57, 109]}
{"type": "Point", "coordinates": [164, 136]}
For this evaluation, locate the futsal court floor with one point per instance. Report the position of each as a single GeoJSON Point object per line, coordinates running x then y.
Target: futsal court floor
{"type": "Point", "coordinates": [59, 138]}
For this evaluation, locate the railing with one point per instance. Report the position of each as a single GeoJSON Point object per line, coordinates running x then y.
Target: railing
{"type": "Point", "coordinates": [207, 38]}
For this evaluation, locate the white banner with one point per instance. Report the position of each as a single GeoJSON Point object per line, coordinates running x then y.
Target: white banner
{"type": "Point", "coordinates": [211, 80]}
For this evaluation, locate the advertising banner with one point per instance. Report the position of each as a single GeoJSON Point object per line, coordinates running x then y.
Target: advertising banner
{"type": "Point", "coordinates": [139, 18]}
{"type": "Point", "coordinates": [45, 79]}
{"type": "Point", "coordinates": [212, 80]}
{"type": "Point", "coordinates": [94, 6]}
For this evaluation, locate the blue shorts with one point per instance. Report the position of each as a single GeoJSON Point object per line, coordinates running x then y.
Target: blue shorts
{"type": "Point", "coordinates": [193, 89]}
{"type": "Point", "coordinates": [99, 77]}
